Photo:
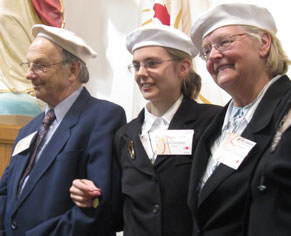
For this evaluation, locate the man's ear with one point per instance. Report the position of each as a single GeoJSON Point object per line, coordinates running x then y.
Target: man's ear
{"type": "Point", "coordinates": [74, 70]}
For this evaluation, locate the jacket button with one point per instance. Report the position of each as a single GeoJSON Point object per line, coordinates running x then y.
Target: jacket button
{"type": "Point", "coordinates": [13, 225]}
{"type": "Point", "coordinates": [262, 188]}
{"type": "Point", "coordinates": [156, 209]}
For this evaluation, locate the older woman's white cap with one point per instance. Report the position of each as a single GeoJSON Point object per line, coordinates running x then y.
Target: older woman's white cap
{"type": "Point", "coordinates": [65, 39]}
{"type": "Point", "coordinates": [160, 35]}
{"type": "Point", "coordinates": [231, 14]}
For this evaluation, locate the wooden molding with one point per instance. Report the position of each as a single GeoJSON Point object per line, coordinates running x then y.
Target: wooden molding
{"type": "Point", "coordinates": [9, 128]}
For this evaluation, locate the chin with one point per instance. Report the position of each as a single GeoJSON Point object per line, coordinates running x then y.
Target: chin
{"type": "Point", "coordinates": [224, 80]}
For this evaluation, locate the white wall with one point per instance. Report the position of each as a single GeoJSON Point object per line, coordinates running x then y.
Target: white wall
{"type": "Point", "coordinates": [104, 25]}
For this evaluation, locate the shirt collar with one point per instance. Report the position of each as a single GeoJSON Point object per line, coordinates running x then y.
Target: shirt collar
{"type": "Point", "coordinates": [149, 119]}
{"type": "Point", "coordinates": [62, 108]}
{"type": "Point", "coordinates": [249, 109]}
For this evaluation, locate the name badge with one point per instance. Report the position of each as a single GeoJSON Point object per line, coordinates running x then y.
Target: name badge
{"type": "Point", "coordinates": [233, 150]}
{"type": "Point", "coordinates": [24, 143]}
{"type": "Point", "coordinates": [174, 142]}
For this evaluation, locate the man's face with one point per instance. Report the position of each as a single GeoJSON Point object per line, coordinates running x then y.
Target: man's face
{"type": "Point", "coordinates": [51, 83]}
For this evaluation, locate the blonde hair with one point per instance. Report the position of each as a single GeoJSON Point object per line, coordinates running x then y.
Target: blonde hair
{"type": "Point", "coordinates": [191, 85]}
{"type": "Point", "coordinates": [277, 60]}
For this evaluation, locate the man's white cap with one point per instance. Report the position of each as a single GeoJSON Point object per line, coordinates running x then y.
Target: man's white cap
{"type": "Point", "coordinates": [231, 14]}
{"type": "Point", "coordinates": [160, 35]}
{"type": "Point", "coordinates": [65, 39]}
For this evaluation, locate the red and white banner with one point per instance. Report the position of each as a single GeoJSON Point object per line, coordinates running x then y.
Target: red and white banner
{"type": "Point", "coordinates": [174, 13]}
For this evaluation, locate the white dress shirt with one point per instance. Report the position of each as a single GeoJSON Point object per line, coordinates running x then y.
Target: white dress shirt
{"type": "Point", "coordinates": [152, 124]}
{"type": "Point", "coordinates": [235, 121]}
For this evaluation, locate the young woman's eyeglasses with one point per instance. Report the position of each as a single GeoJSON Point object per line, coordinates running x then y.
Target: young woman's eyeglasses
{"type": "Point", "coordinates": [221, 44]}
{"type": "Point", "coordinates": [150, 64]}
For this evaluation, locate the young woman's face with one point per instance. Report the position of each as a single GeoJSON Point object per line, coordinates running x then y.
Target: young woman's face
{"type": "Point", "coordinates": [156, 74]}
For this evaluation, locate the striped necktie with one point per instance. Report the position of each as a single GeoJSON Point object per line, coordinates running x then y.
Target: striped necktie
{"type": "Point", "coordinates": [46, 122]}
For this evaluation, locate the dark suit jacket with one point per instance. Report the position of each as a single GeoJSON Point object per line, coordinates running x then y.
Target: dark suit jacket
{"type": "Point", "coordinates": [221, 206]}
{"type": "Point", "coordinates": [81, 147]}
{"type": "Point", "coordinates": [270, 206]}
{"type": "Point", "coordinates": [155, 196]}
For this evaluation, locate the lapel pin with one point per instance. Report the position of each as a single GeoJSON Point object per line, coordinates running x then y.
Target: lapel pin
{"type": "Point", "coordinates": [131, 150]}
{"type": "Point", "coordinates": [284, 125]}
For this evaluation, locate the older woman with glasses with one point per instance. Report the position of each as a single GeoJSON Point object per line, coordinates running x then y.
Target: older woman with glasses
{"type": "Point", "coordinates": [155, 149]}
{"type": "Point", "coordinates": [245, 58]}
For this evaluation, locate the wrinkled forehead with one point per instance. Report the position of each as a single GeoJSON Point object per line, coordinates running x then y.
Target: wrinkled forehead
{"type": "Point", "coordinates": [44, 48]}
{"type": "Point", "coordinates": [222, 31]}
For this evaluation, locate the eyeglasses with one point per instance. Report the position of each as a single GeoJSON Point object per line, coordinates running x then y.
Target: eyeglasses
{"type": "Point", "coordinates": [221, 44]}
{"type": "Point", "coordinates": [37, 67]}
{"type": "Point", "coordinates": [150, 64]}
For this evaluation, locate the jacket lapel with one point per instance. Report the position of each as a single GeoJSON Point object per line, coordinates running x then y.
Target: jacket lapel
{"type": "Point", "coordinates": [199, 164]}
{"type": "Point", "coordinates": [23, 157]}
{"type": "Point", "coordinates": [55, 145]}
{"type": "Point", "coordinates": [140, 159]}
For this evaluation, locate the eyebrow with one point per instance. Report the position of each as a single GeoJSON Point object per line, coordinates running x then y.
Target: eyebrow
{"type": "Point", "coordinates": [147, 59]}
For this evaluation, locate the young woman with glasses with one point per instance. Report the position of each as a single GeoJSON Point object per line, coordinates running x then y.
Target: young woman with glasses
{"type": "Point", "coordinates": [155, 150]}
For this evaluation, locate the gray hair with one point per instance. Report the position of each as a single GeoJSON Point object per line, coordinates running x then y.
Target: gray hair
{"type": "Point", "coordinates": [277, 61]}
{"type": "Point", "coordinates": [69, 58]}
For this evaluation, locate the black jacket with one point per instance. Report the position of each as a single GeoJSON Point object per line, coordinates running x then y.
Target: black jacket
{"type": "Point", "coordinates": [222, 206]}
{"type": "Point", "coordinates": [155, 196]}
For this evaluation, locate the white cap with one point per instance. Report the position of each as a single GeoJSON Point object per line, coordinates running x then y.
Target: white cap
{"type": "Point", "coordinates": [231, 14]}
{"type": "Point", "coordinates": [160, 35]}
{"type": "Point", "coordinates": [65, 39]}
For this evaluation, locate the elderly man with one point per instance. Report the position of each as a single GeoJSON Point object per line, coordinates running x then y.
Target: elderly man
{"type": "Point", "coordinates": [245, 58]}
{"type": "Point", "coordinates": [71, 139]}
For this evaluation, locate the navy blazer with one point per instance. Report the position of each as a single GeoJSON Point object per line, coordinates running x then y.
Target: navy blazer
{"type": "Point", "coordinates": [221, 206]}
{"type": "Point", "coordinates": [81, 147]}
{"type": "Point", "coordinates": [270, 202]}
{"type": "Point", "coordinates": [155, 196]}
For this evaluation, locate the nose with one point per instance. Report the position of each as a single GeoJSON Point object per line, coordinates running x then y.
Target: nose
{"type": "Point", "coordinates": [142, 71]}
{"type": "Point", "coordinates": [214, 53]}
{"type": "Point", "coordinates": [30, 75]}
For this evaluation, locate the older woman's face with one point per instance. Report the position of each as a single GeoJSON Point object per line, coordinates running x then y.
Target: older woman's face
{"type": "Point", "coordinates": [238, 64]}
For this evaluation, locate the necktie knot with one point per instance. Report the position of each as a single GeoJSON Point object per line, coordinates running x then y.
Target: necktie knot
{"type": "Point", "coordinates": [48, 118]}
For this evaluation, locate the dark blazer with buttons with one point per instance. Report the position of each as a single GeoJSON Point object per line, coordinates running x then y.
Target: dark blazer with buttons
{"type": "Point", "coordinates": [81, 147]}
{"type": "Point", "coordinates": [155, 196]}
{"type": "Point", "coordinates": [221, 206]}
{"type": "Point", "coordinates": [270, 204]}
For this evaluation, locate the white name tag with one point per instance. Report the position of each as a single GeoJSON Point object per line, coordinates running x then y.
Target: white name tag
{"type": "Point", "coordinates": [233, 150]}
{"type": "Point", "coordinates": [174, 142]}
{"type": "Point", "coordinates": [23, 144]}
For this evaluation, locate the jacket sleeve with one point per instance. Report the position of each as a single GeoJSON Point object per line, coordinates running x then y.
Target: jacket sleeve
{"type": "Point", "coordinates": [99, 168]}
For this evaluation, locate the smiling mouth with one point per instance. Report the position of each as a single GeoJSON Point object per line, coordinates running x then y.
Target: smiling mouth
{"type": "Point", "coordinates": [223, 67]}
{"type": "Point", "coordinates": [36, 86]}
{"type": "Point", "coordinates": [147, 85]}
